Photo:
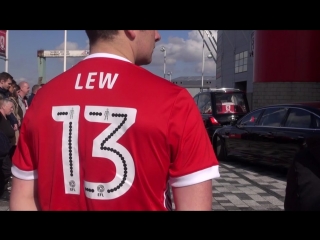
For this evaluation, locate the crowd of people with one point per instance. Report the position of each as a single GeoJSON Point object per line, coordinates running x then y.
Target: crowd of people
{"type": "Point", "coordinates": [14, 102]}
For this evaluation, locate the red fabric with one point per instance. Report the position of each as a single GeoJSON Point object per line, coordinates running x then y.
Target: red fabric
{"type": "Point", "coordinates": [166, 136]}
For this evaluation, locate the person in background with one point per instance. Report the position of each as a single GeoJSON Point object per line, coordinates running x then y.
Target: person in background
{"type": "Point", "coordinates": [17, 111]}
{"type": "Point", "coordinates": [6, 108]}
{"type": "Point", "coordinates": [6, 81]}
{"type": "Point", "coordinates": [303, 179]}
{"type": "Point", "coordinates": [22, 94]}
{"type": "Point", "coordinates": [35, 88]}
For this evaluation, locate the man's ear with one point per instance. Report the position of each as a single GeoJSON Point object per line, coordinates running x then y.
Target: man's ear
{"type": "Point", "coordinates": [131, 34]}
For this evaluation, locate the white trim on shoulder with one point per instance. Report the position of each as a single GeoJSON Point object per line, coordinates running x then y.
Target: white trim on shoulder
{"type": "Point", "coordinates": [196, 177]}
{"type": "Point", "coordinates": [106, 55]}
{"type": "Point", "coordinates": [25, 175]}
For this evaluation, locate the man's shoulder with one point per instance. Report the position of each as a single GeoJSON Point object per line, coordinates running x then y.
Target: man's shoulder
{"type": "Point", "coordinates": [150, 79]}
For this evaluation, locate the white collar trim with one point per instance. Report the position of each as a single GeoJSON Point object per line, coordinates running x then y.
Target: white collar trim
{"type": "Point", "coordinates": [106, 55]}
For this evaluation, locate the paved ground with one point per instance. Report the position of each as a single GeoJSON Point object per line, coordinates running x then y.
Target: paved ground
{"type": "Point", "coordinates": [247, 187]}
{"type": "Point", "coordinates": [241, 187]}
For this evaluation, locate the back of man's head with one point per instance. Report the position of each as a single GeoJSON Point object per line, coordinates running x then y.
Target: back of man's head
{"type": "Point", "coordinates": [95, 35]}
{"type": "Point", "coordinates": [135, 45]}
{"type": "Point", "coordinates": [35, 88]}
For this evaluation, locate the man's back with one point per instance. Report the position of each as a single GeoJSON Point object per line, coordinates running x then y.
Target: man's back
{"type": "Point", "coordinates": [111, 139]}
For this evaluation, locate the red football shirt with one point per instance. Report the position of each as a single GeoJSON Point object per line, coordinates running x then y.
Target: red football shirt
{"type": "Point", "coordinates": [109, 135]}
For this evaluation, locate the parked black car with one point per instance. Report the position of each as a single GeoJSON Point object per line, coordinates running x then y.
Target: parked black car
{"type": "Point", "coordinates": [272, 134]}
{"type": "Point", "coordinates": [221, 106]}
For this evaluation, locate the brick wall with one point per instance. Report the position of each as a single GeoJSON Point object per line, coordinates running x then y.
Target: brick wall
{"type": "Point", "coordinates": [284, 92]}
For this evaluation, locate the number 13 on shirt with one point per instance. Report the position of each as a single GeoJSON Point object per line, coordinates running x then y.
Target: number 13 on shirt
{"type": "Point", "coordinates": [105, 145]}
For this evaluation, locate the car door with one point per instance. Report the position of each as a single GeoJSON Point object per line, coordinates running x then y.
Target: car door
{"type": "Point", "coordinates": [239, 138]}
{"type": "Point", "coordinates": [265, 147]}
{"type": "Point", "coordinates": [300, 124]}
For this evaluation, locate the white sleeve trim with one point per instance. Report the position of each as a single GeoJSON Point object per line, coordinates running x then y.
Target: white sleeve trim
{"type": "Point", "coordinates": [25, 175]}
{"type": "Point", "coordinates": [196, 177]}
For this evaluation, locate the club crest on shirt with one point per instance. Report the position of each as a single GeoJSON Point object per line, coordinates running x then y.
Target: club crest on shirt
{"type": "Point", "coordinates": [72, 185]}
{"type": "Point", "coordinates": [100, 188]}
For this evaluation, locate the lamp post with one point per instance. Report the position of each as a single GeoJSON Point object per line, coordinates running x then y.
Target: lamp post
{"type": "Point", "coordinates": [7, 52]}
{"type": "Point", "coordinates": [163, 49]}
{"type": "Point", "coordinates": [169, 74]}
{"type": "Point", "coordinates": [210, 56]}
{"type": "Point", "coordinates": [65, 51]}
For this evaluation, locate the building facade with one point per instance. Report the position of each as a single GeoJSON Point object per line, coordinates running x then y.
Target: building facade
{"type": "Point", "coordinates": [235, 59]}
{"type": "Point", "coordinates": [286, 66]}
{"type": "Point", "coordinates": [272, 66]}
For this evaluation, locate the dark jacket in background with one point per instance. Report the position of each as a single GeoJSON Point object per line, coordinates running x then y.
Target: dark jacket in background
{"type": "Point", "coordinates": [5, 93]}
{"type": "Point", "coordinates": [30, 99]}
{"type": "Point", "coordinates": [303, 179]}
{"type": "Point", "coordinates": [7, 129]}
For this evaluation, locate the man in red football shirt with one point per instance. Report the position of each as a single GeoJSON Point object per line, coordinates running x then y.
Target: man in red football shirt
{"type": "Point", "coordinates": [114, 138]}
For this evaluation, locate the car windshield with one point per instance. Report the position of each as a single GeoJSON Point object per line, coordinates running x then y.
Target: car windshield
{"type": "Point", "coordinates": [231, 103]}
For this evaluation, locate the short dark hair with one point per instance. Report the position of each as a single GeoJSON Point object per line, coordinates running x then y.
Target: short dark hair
{"type": "Point", "coordinates": [5, 76]}
{"type": "Point", "coordinates": [95, 35]}
{"type": "Point", "coordinates": [35, 87]}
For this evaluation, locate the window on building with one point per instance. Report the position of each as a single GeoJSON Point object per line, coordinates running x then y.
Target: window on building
{"type": "Point", "coordinates": [241, 62]}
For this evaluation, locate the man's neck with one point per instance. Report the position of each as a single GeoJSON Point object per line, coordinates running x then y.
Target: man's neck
{"type": "Point", "coordinates": [120, 49]}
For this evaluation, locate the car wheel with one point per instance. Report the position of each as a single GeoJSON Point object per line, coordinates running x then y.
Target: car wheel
{"type": "Point", "coordinates": [220, 149]}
